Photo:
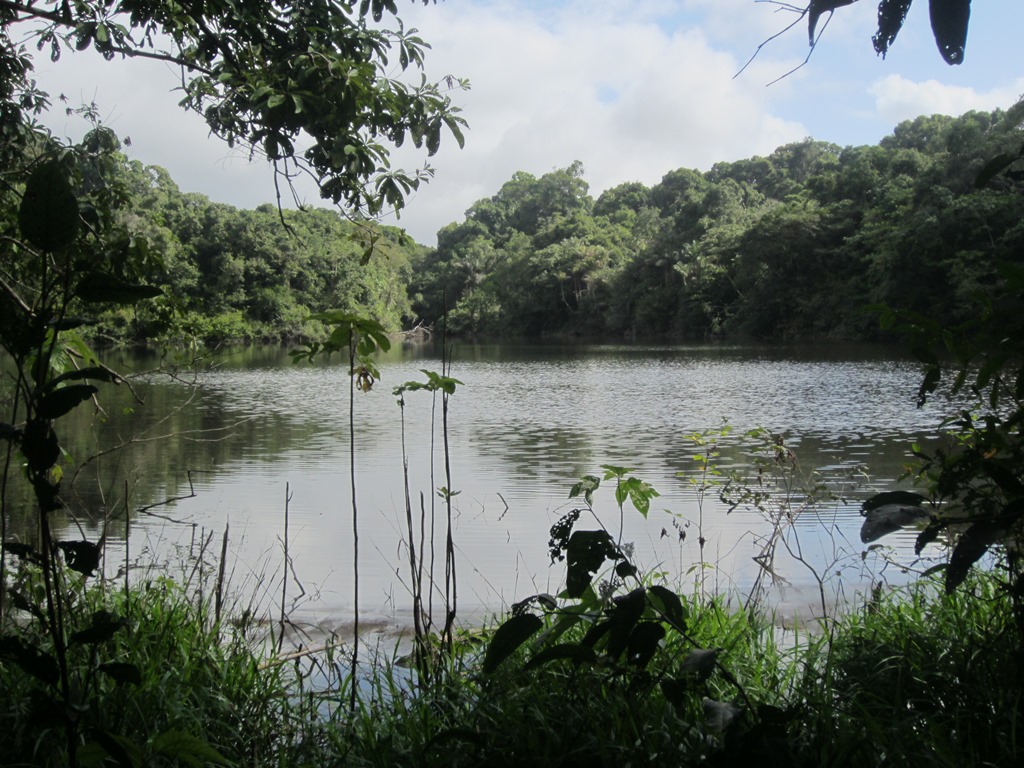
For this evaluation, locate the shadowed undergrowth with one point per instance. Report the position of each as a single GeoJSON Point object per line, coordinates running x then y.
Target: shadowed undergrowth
{"type": "Point", "coordinates": [912, 677]}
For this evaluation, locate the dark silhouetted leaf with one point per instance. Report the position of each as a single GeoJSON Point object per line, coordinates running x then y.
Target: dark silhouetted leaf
{"type": "Point", "coordinates": [643, 642]}
{"type": "Point", "coordinates": [927, 536]}
{"type": "Point", "coordinates": [949, 25]}
{"type": "Point", "coordinates": [122, 672]}
{"type": "Point", "coordinates": [35, 662]}
{"type": "Point", "coordinates": [91, 373]}
{"type": "Point", "coordinates": [970, 547]}
{"type": "Point", "coordinates": [996, 166]}
{"type": "Point", "coordinates": [701, 662]}
{"type": "Point", "coordinates": [39, 445]}
{"type": "Point", "coordinates": [103, 628]}
{"type": "Point", "coordinates": [47, 493]}
{"type": "Point", "coordinates": [816, 9]}
{"type": "Point", "coordinates": [883, 520]}
{"type": "Point", "coordinates": [891, 15]}
{"type": "Point", "coordinates": [509, 637]}
{"type": "Point", "coordinates": [892, 497]}
{"type": "Point", "coordinates": [596, 633]}
{"type": "Point", "coordinates": [928, 385]}
{"type": "Point", "coordinates": [81, 556]}
{"type": "Point", "coordinates": [719, 715]}
{"type": "Point", "coordinates": [625, 612]}
{"type": "Point", "coordinates": [21, 550]}
{"type": "Point", "coordinates": [22, 603]}
{"type": "Point", "coordinates": [587, 485]}
{"type": "Point", "coordinates": [677, 690]}
{"type": "Point", "coordinates": [1004, 477]}
{"type": "Point", "coordinates": [544, 600]}
{"type": "Point", "coordinates": [8, 432]}
{"type": "Point", "coordinates": [581, 654]}
{"type": "Point", "coordinates": [97, 287]}
{"type": "Point", "coordinates": [671, 605]}
{"type": "Point", "coordinates": [48, 216]}
{"type": "Point", "coordinates": [585, 554]}
{"type": "Point", "coordinates": [63, 400]}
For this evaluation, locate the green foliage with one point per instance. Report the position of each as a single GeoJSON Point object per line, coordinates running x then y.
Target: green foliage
{"type": "Point", "coordinates": [756, 248]}
{"type": "Point", "coordinates": [974, 483]}
{"type": "Point", "coordinates": [235, 275]}
{"type": "Point", "coordinates": [316, 87]}
{"type": "Point", "coordinates": [176, 690]}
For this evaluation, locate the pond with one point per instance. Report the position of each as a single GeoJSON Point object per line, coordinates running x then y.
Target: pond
{"type": "Point", "coordinates": [247, 436]}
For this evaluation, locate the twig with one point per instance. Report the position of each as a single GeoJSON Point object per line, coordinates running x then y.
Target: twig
{"type": "Point", "coordinates": [218, 599]}
{"type": "Point", "coordinates": [284, 575]}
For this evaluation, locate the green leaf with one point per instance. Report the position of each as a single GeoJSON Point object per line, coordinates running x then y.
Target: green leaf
{"type": "Point", "coordinates": [189, 749]}
{"type": "Point", "coordinates": [61, 401]}
{"type": "Point", "coordinates": [509, 637]}
{"type": "Point", "coordinates": [640, 493]}
{"type": "Point", "coordinates": [587, 485]}
{"type": "Point", "coordinates": [611, 471]}
{"type": "Point", "coordinates": [48, 216]}
{"type": "Point", "coordinates": [701, 662]}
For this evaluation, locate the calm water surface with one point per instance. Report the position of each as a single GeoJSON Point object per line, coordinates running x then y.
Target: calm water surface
{"type": "Point", "coordinates": [525, 424]}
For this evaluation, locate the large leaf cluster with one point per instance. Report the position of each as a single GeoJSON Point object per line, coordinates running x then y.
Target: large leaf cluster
{"type": "Point", "coordinates": [308, 85]}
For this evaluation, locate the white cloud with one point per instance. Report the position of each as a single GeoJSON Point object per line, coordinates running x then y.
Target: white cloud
{"type": "Point", "coordinates": [632, 89]}
{"type": "Point", "coordinates": [898, 99]}
{"type": "Point", "coordinates": [615, 88]}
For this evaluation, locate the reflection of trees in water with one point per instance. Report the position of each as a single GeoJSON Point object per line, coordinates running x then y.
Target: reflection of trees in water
{"type": "Point", "coordinates": [537, 452]}
{"type": "Point", "coordinates": [149, 449]}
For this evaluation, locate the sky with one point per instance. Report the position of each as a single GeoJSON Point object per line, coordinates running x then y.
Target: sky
{"type": "Point", "coordinates": [631, 88]}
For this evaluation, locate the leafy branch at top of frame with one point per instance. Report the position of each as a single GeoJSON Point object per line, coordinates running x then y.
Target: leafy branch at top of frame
{"type": "Point", "coordinates": [265, 75]}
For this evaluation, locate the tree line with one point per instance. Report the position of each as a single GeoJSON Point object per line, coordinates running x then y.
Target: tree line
{"type": "Point", "coordinates": [230, 274]}
{"type": "Point", "coordinates": [791, 246]}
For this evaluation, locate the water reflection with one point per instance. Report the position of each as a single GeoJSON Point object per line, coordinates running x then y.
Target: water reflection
{"type": "Point", "coordinates": [526, 423]}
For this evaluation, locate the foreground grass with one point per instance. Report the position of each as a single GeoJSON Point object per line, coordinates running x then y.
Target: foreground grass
{"type": "Point", "coordinates": [913, 677]}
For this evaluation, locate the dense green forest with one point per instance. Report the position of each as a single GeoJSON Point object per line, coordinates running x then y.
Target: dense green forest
{"type": "Point", "coordinates": [790, 246]}
{"type": "Point", "coordinates": [251, 275]}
